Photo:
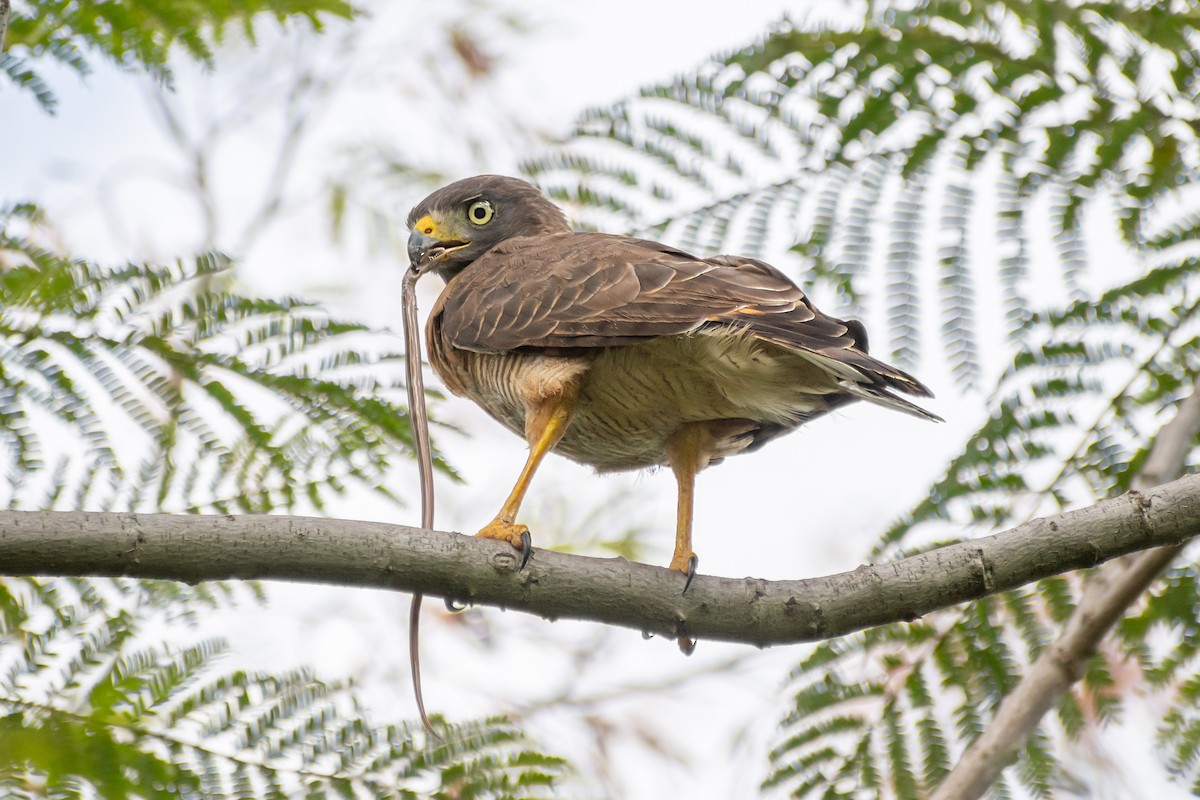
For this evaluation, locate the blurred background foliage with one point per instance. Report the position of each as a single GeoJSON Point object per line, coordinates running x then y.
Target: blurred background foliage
{"type": "Point", "coordinates": [139, 38]}
{"type": "Point", "coordinates": [169, 388]}
{"type": "Point", "coordinates": [1006, 191]}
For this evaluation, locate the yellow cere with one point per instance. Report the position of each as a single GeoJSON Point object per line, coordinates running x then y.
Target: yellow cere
{"type": "Point", "coordinates": [427, 226]}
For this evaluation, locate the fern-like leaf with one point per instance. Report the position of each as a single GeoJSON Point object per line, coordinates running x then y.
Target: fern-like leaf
{"type": "Point", "coordinates": [178, 392]}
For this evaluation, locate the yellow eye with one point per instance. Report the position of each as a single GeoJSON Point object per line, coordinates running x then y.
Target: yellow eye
{"type": "Point", "coordinates": [480, 212]}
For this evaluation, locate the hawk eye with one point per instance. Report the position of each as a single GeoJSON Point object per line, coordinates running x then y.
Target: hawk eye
{"type": "Point", "coordinates": [480, 212]}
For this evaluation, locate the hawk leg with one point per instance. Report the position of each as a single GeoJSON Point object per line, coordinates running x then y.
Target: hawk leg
{"type": "Point", "coordinates": [688, 452]}
{"type": "Point", "coordinates": [545, 423]}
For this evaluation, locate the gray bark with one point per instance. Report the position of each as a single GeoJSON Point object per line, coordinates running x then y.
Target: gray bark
{"type": "Point", "coordinates": [612, 591]}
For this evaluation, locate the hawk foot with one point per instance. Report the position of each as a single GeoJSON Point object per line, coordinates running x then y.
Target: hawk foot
{"type": "Point", "coordinates": [515, 534]}
{"type": "Point", "coordinates": [686, 564]}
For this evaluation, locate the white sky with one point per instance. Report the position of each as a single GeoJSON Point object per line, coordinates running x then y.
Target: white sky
{"type": "Point", "coordinates": [809, 504]}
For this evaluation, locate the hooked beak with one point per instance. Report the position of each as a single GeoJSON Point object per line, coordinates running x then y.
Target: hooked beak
{"type": "Point", "coordinates": [425, 251]}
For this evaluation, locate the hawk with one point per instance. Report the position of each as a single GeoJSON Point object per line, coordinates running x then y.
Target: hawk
{"type": "Point", "coordinates": [623, 353]}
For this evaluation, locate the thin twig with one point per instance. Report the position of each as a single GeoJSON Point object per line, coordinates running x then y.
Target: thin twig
{"type": "Point", "coordinates": [656, 687]}
{"type": "Point", "coordinates": [5, 10]}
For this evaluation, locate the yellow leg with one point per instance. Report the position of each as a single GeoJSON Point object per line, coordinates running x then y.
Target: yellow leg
{"type": "Point", "coordinates": [545, 425]}
{"type": "Point", "coordinates": [688, 452]}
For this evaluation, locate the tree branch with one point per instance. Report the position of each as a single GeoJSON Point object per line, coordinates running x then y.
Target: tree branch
{"type": "Point", "coordinates": [612, 591]}
{"type": "Point", "coordinates": [1109, 592]}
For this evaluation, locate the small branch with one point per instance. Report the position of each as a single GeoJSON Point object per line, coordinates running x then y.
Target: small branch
{"type": "Point", "coordinates": [5, 10]}
{"type": "Point", "coordinates": [1105, 599]}
{"type": "Point", "coordinates": [612, 591]}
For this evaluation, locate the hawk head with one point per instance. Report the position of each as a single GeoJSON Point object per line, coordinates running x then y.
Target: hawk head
{"type": "Point", "coordinates": [458, 223]}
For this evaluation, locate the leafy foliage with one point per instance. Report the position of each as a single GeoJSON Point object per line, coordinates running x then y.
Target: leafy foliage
{"type": "Point", "coordinates": [931, 689]}
{"type": "Point", "coordinates": [1078, 407]}
{"type": "Point", "coordinates": [177, 391]}
{"type": "Point", "coordinates": [1072, 421]}
{"type": "Point", "coordinates": [136, 38]}
{"type": "Point", "coordinates": [87, 708]}
{"type": "Point", "coordinates": [878, 146]}
{"type": "Point", "coordinates": [168, 388]}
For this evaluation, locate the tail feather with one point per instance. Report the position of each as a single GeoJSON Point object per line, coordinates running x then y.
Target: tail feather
{"type": "Point", "coordinates": [882, 397]}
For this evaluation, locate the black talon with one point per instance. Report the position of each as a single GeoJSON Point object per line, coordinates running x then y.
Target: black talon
{"type": "Point", "coordinates": [693, 562]}
{"type": "Point", "coordinates": [526, 549]}
{"type": "Point", "coordinates": [687, 645]}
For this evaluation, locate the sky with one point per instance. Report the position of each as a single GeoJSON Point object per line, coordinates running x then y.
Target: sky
{"type": "Point", "coordinates": [118, 186]}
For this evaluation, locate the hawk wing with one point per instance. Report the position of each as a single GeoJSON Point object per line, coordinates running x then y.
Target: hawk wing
{"type": "Point", "coordinates": [579, 290]}
{"type": "Point", "coordinates": [586, 290]}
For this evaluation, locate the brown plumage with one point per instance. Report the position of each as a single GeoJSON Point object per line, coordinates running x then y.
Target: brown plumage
{"type": "Point", "coordinates": [623, 353]}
